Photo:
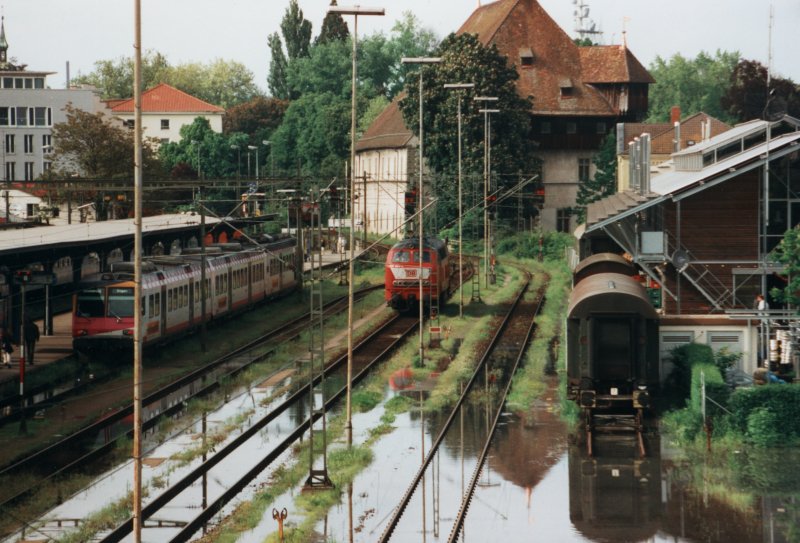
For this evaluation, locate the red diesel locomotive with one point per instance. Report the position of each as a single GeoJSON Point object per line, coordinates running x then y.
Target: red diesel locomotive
{"type": "Point", "coordinates": [403, 269]}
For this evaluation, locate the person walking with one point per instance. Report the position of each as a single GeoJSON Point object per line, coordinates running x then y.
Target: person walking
{"type": "Point", "coordinates": [6, 347]}
{"type": "Point", "coordinates": [31, 337]}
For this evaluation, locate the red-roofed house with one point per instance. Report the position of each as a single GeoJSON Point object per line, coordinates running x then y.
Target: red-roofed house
{"type": "Point", "coordinates": [579, 95]}
{"type": "Point", "coordinates": [165, 110]}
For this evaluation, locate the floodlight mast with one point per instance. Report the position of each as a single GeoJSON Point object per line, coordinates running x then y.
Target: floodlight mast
{"type": "Point", "coordinates": [460, 87]}
{"type": "Point", "coordinates": [355, 11]}
{"type": "Point", "coordinates": [421, 201]}
{"type": "Point", "coordinates": [486, 177]}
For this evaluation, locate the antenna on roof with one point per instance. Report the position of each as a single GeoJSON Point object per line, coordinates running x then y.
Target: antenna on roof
{"type": "Point", "coordinates": [585, 28]}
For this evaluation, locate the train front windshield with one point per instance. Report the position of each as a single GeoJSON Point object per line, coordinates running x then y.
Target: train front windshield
{"type": "Point", "coordinates": [120, 302]}
{"type": "Point", "coordinates": [91, 303]}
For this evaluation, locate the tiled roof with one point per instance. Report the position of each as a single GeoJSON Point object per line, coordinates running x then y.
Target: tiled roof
{"type": "Point", "coordinates": [515, 25]}
{"type": "Point", "coordinates": [612, 64]}
{"type": "Point", "coordinates": [387, 131]}
{"type": "Point", "coordinates": [164, 98]}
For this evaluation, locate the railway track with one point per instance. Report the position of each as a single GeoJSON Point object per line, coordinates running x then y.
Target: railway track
{"type": "Point", "coordinates": [81, 448]}
{"type": "Point", "coordinates": [500, 360]}
{"type": "Point", "coordinates": [366, 355]}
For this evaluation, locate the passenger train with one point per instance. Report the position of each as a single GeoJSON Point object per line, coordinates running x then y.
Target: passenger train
{"type": "Point", "coordinates": [403, 268]}
{"type": "Point", "coordinates": [236, 277]}
{"type": "Point", "coordinates": [612, 339]}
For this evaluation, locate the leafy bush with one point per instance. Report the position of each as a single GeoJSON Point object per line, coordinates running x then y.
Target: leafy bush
{"type": "Point", "coordinates": [763, 427]}
{"type": "Point", "coordinates": [527, 245]}
{"type": "Point", "coordinates": [782, 402]}
{"type": "Point", "coordinates": [677, 386]}
{"type": "Point", "coordinates": [724, 359]}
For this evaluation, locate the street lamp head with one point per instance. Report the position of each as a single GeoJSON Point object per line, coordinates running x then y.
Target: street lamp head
{"type": "Point", "coordinates": [356, 10]}
{"type": "Point", "coordinates": [234, 146]}
{"type": "Point", "coordinates": [253, 147]}
{"type": "Point", "coordinates": [459, 86]}
{"type": "Point", "coordinates": [421, 60]}
{"type": "Point", "coordinates": [488, 111]}
{"type": "Point", "coordinates": [486, 98]}
{"type": "Point", "coordinates": [266, 142]}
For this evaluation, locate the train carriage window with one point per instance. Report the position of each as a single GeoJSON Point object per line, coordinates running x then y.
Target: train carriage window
{"type": "Point", "coordinates": [120, 302]}
{"type": "Point", "coordinates": [143, 305]}
{"type": "Point", "coordinates": [157, 305]}
{"type": "Point", "coordinates": [91, 303]}
{"type": "Point", "coordinates": [169, 300]}
{"type": "Point", "coordinates": [185, 295]}
{"type": "Point", "coordinates": [150, 306]}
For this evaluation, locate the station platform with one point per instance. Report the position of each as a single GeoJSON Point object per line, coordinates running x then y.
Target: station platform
{"type": "Point", "coordinates": [49, 349]}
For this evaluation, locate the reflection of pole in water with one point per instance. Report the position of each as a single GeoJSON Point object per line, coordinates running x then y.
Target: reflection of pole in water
{"type": "Point", "coordinates": [205, 473]}
{"type": "Point", "coordinates": [461, 423]}
{"type": "Point", "coordinates": [422, 458]}
{"type": "Point", "coordinates": [436, 488]}
{"type": "Point", "coordinates": [349, 514]}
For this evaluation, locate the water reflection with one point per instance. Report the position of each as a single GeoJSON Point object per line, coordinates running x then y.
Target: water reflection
{"type": "Point", "coordinates": [615, 495]}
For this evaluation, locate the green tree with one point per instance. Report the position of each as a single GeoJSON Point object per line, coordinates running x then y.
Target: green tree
{"type": "Point", "coordinates": [222, 83]}
{"type": "Point", "coordinates": [201, 147]}
{"type": "Point", "coordinates": [114, 78]}
{"type": "Point", "coordinates": [333, 28]}
{"type": "Point", "coordinates": [296, 32]}
{"type": "Point", "coordinates": [693, 84]}
{"type": "Point", "coordinates": [89, 145]}
{"type": "Point", "coordinates": [257, 118]}
{"type": "Point", "coordinates": [604, 182]}
{"type": "Point", "coordinates": [466, 60]}
{"type": "Point", "coordinates": [277, 68]}
{"type": "Point", "coordinates": [746, 96]}
{"type": "Point", "coordinates": [788, 253]}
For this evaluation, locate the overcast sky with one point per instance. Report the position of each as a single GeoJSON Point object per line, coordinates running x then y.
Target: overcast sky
{"type": "Point", "coordinates": [45, 34]}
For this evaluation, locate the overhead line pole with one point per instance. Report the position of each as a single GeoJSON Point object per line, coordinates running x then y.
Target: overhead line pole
{"type": "Point", "coordinates": [137, 296]}
{"type": "Point", "coordinates": [355, 11]}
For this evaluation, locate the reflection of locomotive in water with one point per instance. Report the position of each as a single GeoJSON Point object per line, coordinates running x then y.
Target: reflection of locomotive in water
{"type": "Point", "coordinates": [612, 342]}
{"type": "Point", "coordinates": [403, 270]}
{"type": "Point", "coordinates": [235, 278]}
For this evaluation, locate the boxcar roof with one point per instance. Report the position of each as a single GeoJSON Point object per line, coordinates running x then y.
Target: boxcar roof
{"type": "Point", "coordinates": [609, 293]}
{"type": "Point", "coordinates": [603, 261]}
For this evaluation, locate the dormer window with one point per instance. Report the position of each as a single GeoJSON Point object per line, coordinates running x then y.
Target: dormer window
{"type": "Point", "coordinates": [567, 90]}
{"type": "Point", "coordinates": [525, 57]}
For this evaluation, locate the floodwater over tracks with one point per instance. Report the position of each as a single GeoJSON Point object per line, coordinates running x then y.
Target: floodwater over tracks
{"type": "Point", "coordinates": [539, 484]}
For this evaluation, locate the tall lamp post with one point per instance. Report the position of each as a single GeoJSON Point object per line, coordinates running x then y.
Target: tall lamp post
{"type": "Point", "coordinates": [355, 11]}
{"type": "Point", "coordinates": [460, 87]}
{"type": "Point", "coordinates": [420, 198]}
{"type": "Point", "coordinates": [486, 175]}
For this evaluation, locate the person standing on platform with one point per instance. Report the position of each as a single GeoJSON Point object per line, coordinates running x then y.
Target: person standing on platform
{"type": "Point", "coordinates": [31, 337]}
{"type": "Point", "coordinates": [6, 347]}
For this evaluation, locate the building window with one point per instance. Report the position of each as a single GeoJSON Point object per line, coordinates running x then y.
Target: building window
{"type": "Point", "coordinates": [164, 124]}
{"type": "Point", "coordinates": [18, 84]}
{"type": "Point", "coordinates": [10, 148]}
{"type": "Point", "coordinates": [47, 141]}
{"type": "Point", "coordinates": [600, 128]}
{"type": "Point", "coordinates": [27, 143]}
{"type": "Point", "coordinates": [584, 165]}
{"type": "Point", "coordinates": [129, 123]}
{"type": "Point", "coordinates": [164, 141]}
{"type": "Point", "coordinates": [562, 219]}
{"type": "Point", "coordinates": [46, 165]}
{"type": "Point", "coordinates": [572, 127]}
{"type": "Point", "coordinates": [545, 127]}
{"type": "Point", "coordinates": [8, 82]}
{"type": "Point", "coordinates": [40, 116]}
{"type": "Point", "coordinates": [5, 118]}
{"type": "Point", "coordinates": [22, 116]}
{"type": "Point", "coordinates": [567, 92]}
{"type": "Point", "coordinates": [11, 171]}
{"type": "Point", "coordinates": [29, 171]}
{"type": "Point", "coordinates": [38, 82]}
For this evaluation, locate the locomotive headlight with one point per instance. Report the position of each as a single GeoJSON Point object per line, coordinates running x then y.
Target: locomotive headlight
{"type": "Point", "coordinates": [83, 332]}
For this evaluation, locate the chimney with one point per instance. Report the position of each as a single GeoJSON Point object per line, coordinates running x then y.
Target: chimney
{"type": "Point", "coordinates": [675, 115]}
{"type": "Point", "coordinates": [676, 143]}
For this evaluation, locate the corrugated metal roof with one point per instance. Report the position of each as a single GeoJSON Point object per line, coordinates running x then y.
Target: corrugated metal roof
{"type": "Point", "coordinates": [668, 185]}
{"type": "Point", "coordinates": [675, 181]}
{"type": "Point", "coordinates": [18, 240]}
{"type": "Point", "coordinates": [738, 131]}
